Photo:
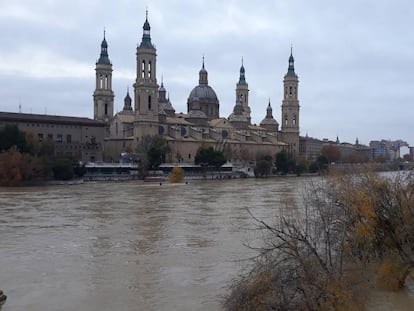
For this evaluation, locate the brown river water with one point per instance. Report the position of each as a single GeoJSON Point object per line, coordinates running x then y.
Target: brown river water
{"type": "Point", "coordinates": [136, 246]}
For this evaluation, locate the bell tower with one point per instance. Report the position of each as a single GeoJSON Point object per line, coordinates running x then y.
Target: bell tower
{"type": "Point", "coordinates": [103, 96]}
{"type": "Point", "coordinates": [290, 109]}
{"type": "Point", "coordinates": [242, 92]}
{"type": "Point", "coordinates": [145, 86]}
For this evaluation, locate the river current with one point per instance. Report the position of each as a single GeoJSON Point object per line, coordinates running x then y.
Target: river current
{"type": "Point", "coordinates": [136, 246]}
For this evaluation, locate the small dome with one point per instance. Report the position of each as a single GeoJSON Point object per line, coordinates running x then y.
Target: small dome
{"type": "Point", "coordinates": [127, 98]}
{"type": "Point", "coordinates": [127, 102]}
{"type": "Point", "coordinates": [201, 92]}
{"type": "Point", "coordinates": [268, 121]}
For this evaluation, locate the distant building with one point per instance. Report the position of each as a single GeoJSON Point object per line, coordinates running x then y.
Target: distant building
{"type": "Point", "coordinates": [81, 138]}
{"type": "Point", "coordinates": [152, 113]}
{"type": "Point", "coordinates": [310, 148]}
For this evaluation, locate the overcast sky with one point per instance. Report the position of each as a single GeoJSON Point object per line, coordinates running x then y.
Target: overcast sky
{"type": "Point", "coordinates": [354, 59]}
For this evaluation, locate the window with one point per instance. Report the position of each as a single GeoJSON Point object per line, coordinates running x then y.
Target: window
{"type": "Point", "coordinates": [68, 138]}
{"type": "Point", "coordinates": [40, 137]}
{"type": "Point", "coordinates": [143, 69]}
{"type": "Point", "coordinates": [290, 90]}
{"type": "Point", "coordinates": [59, 138]}
{"type": "Point", "coordinates": [189, 155]}
{"type": "Point", "coordinates": [106, 109]}
{"type": "Point", "coordinates": [294, 120]}
{"type": "Point", "coordinates": [286, 120]}
{"type": "Point", "coordinates": [149, 69]}
{"type": "Point", "coordinates": [149, 102]}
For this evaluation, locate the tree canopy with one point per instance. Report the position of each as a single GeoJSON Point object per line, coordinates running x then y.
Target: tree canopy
{"type": "Point", "coordinates": [331, 152]}
{"type": "Point", "coordinates": [153, 151]}
{"type": "Point", "coordinates": [209, 157]}
{"type": "Point", "coordinates": [10, 135]}
{"type": "Point", "coordinates": [284, 162]}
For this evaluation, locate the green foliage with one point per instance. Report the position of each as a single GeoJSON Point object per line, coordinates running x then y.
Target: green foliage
{"type": "Point", "coordinates": [10, 135]}
{"type": "Point", "coordinates": [63, 169]}
{"type": "Point", "coordinates": [301, 167]}
{"type": "Point", "coordinates": [322, 162]}
{"type": "Point", "coordinates": [284, 162]}
{"type": "Point", "coordinates": [79, 170]}
{"type": "Point", "coordinates": [209, 157]}
{"type": "Point", "coordinates": [152, 151]}
{"type": "Point", "coordinates": [263, 166]}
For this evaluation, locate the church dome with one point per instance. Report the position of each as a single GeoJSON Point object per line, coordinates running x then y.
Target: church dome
{"type": "Point", "coordinates": [269, 122]}
{"type": "Point", "coordinates": [203, 98]}
{"type": "Point", "coordinates": [202, 92]}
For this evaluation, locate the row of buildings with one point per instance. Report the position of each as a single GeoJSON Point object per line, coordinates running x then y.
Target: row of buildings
{"type": "Point", "coordinates": [149, 112]}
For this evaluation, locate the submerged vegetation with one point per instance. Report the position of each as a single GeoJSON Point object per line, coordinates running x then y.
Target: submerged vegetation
{"type": "Point", "coordinates": [353, 232]}
{"type": "Point", "coordinates": [176, 175]}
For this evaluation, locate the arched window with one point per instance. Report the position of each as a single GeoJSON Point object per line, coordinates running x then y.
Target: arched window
{"type": "Point", "coordinates": [286, 120]}
{"type": "Point", "coordinates": [143, 69]}
{"type": "Point", "coordinates": [149, 69]}
{"type": "Point", "coordinates": [149, 102]}
{"type": "Point", "coordinates": [294, 120]}
{"type": "Point", "coordinates": [290, 90]}
{"type": "Point", "coordinates": [101, 81]}
{"type": "Point", "coordinates": [106, 108]}
{"type": "Point", "coordinates": [106, 82]}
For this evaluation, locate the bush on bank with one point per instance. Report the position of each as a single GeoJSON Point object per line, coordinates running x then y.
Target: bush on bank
{"type": "Point", "coordinates": [352, 230]}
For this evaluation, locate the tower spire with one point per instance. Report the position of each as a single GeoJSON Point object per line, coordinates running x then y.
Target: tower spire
{"type": "Point", "coordinates": [103, 57]}
{"type": "Point", "coordinates": [146, 37]}
{"type": "Point", "coordinates": [203, 75]}
{"type": "Point", "coordinates": [291, 68]}
{"type": "Point", "coordinates": [242, 78]}
{"type": "Point", "coordinates": [103, 95]}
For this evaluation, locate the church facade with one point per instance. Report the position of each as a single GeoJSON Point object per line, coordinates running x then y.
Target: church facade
{"type": "Point", "coordinates": [151, 113]}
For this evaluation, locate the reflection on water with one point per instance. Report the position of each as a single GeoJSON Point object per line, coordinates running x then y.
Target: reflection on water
{"type": "Point", "coordinates": [131, 246]}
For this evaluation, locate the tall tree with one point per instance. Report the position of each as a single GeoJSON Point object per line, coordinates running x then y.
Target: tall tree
{"type": "Point", "coordinates": [209, 157]}
{"type": "Point", "coordinates": [263, 166]}
{"type": "Point", "coordinates": [331, 152]}
{"type": "Point", "coordinates": [153, 151]}
{"type": "Point", "coordinates": [284, 162]}
{"type": "Point", "coordinates": [10, 135]}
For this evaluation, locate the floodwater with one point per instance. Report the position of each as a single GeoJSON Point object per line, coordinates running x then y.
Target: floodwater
{"type": "Point", "coordinates": [135, 246]}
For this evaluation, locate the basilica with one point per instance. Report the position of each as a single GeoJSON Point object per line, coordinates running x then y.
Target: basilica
{"type": "Point", "coordinates": [150, 113]}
